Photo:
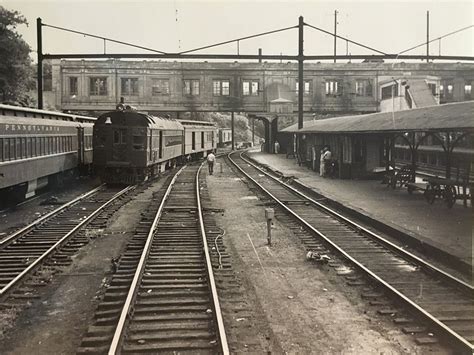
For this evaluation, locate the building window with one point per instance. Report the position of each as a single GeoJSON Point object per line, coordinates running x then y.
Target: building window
{"type": "Point", "coordinates": [364, 87]}
{"type": "Point", "coordinates": [191, 87]}
{"type": "Point", "coordinates": [306, 86]}
{"type": "Point", "coordinates": [221, 87]}
{"type": "Point", "coordinates": [160, 87]}
{"type": "Point", "coordinates": [450, 89]}
{"type": "Point", "coordinates": [250, 88]}
{"type": "Point", "coordinates": [467, 91]}
{"type": "Point", "coordinates": [389, 91]}
{"type": "Point", "coordinates": [129, 86]}
{"type": "Point", "coordinates": [73, 88]}
{"type": "Point", "coordinates": [333, 88]}
{"type": "Point", "coordinates": [98, 86]}
{"type": "Point", "coordinates": [432, 88]}
{"type": "Point", "coordinates": [441, 91]}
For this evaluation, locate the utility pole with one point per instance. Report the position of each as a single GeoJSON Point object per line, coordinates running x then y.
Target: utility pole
{"type": "Point", "coordinates": [39, 79]}
{"type": "Point", "coordinates": [427, 36]}
{"type": "Point", "coordinates": [300, 71]}
{"type": "Point", "coordinates": [335, 34]}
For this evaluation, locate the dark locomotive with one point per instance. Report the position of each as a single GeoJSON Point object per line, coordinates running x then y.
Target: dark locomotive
{"type": "Point", "coordinates": [130, 146]}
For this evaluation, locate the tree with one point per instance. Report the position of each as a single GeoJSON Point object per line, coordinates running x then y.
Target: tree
{"type": "Point", "coordinates": [16, 71]}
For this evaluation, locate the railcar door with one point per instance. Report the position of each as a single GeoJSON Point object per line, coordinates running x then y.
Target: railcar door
{"type": "Point", "coordinates": [160, 152]}
{"type": "Point", "coordinates": [119, 151]}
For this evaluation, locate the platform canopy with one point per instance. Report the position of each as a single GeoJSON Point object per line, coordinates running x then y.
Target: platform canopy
{"type": "Point", "coordinates": [440, 118]}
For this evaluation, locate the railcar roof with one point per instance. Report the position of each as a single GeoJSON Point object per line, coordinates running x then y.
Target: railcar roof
{"type": "Point", "coordinates": [28, 112]}
{"type": "Point", "coordinates": [28, 121]}
{"type": "Point", "coordinates": [134, 118]}
{"type": "Point", "coordinates": [197, 123]}
{"type": "Point", "coordinates": [447, 117]}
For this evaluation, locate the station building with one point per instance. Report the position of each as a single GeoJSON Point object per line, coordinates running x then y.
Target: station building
{"type": "Point", "coordinates": [255, 88]}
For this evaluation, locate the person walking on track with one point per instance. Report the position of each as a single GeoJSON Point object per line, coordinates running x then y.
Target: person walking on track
{"type": "Point", "coordinates": [210, 162]}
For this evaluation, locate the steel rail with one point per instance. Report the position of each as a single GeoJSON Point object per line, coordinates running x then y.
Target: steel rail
{"type": "Point", "coordinates": [117, 338]}
{"type": "Point", "coordinates": [460, 283]}
{"type": "Point", "coordinates": [215, 298]}
{"type": "Point", "coordinates": [46, 216]}
{"type": "Point", "coordinates": [61, 241]}
{"type": "Point", "coordinates": [460, 341]}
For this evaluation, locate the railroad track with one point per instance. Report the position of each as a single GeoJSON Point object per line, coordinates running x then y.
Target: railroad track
{"type": "Point", "coordinates": [163, 299]}
{"type": "Point", "coordinates": [441, 301]}
{"type": "Point", "coordinates": [24, 250]}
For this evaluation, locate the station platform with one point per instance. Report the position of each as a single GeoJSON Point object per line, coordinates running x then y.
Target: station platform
{"type": "Point", "coordinates": [449, 231]}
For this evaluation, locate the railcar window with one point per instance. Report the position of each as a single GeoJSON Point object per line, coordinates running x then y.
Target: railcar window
{"type": "Point", "coordinates": [33, 146]}
{"type": "Point", "coordinates": [202, 139]}
{"type": "Point", "coordinates": [18, 148]}
{"type": "Point", "coordinates": [193, 141]}
{"type": "Point", "coordinates": [120, 136]}
{"type": "Point", "coordinates": [6, 149]}
{"type": "Point", "coordinates": [29, 152]}
{"type": "Point", "coordinates": [24, 150]}
{"type": "Point", "coordinates": [139, 142]}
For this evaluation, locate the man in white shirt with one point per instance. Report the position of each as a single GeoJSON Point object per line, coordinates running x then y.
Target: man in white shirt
{"type": "Point", "coordinates": [210, 162]}
{"type": "Point", "coordinates": [326, 159]}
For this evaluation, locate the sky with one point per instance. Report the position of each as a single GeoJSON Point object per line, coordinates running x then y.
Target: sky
{"type": "Point", "coordinates": [178, 25]}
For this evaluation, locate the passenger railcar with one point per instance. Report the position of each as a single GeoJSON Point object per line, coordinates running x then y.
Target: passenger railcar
{"type": "Point", "coordinates": [200, 138]}
{"type": "Point", "coordinates": [130, 146]}
{"type": "Point", "coordinates": [38, 147]}
{"type": "Point", "coordinates": [225, 137]}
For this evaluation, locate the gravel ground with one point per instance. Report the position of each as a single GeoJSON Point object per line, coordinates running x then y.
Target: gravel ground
{"type": "Point", "coordinates": [27, 212]}
{"type": "Point", "coordinates": [308, 308]}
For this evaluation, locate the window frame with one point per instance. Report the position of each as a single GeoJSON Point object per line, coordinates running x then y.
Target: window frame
{"type": "Point", "coordinates": [73, 89]}
{"type": "Point", "coordinates": [334, 87]}
{"type": "Point", "coordinates": [222, 88]}
{"type": "Point", "coordinates": [307, 87]}
{"type": "Point", "coordinates": [190, 88]}
{"type": "Point", "coordinates": [156, 83]}
{"type": "Point", "coordinates": [251, 90]}
{"type": "Point", "coordinates": [92, 85]}
{"type": "Point", "coordinates": [131, 86]}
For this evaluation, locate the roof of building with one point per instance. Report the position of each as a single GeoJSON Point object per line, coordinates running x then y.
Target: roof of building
{"type": "Point", "coordinates": [448, 117]}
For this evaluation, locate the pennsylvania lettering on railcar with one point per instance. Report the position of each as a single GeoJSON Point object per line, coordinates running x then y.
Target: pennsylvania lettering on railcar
{"type": "Point", "coordinates": [29, 128]}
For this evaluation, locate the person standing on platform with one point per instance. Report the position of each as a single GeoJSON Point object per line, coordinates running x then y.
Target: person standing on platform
{"type": "Point", "coordinates": [210, 162]}
{"type": "Point", "coordinates": [277, 147]}
{"type": "Point", "coordinates": [327, 156]}
{"type": "Point", "coordinates": [321, 162]}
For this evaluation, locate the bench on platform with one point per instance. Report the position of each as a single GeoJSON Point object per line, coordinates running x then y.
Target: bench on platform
{"type": "Point", "coordinates": [402, 177]}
